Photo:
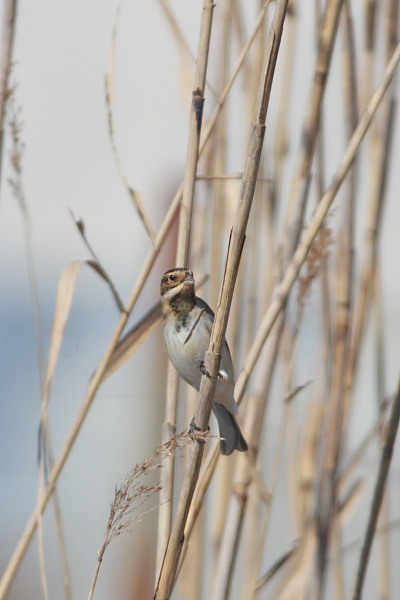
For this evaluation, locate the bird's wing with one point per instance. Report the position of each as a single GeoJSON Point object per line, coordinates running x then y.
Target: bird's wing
{"type": "Point", "coordinates": [226, 359]}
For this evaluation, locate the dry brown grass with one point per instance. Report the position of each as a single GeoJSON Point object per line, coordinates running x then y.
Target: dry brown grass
{"type": "Point", "coordinates": [269, 523]}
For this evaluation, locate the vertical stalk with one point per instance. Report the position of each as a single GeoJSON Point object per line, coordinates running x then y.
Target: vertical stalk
{"type": "Point", "coordinates": [182, 257]}
{"type": "Point", "coordinates": [213, 357]}
{"type": "Point", "coordinates": [195, 122]}
{"type": "Point", "coordinates": [336, 415]}
{"type": "Point", "coordinates": [300, 185]}
{"type": "Point", "coordinates": [282, 290]}
{"type": "Point", "coordinates": [379, 491]}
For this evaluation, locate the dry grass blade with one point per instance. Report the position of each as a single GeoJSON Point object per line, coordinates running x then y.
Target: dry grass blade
{"type": "Point", "coordinates": [327, 501]}
{"type": "Point", "coordinates": [385, 515]}
{"type": "Point", "coordinates": [380, 488]}
{"type": "Point", "coordinates": [276, 567]}
{"type": "Point", "coordinates": [300, 186]}
{"type": "Point", "coordinates": [261, 529]}
{"type": "Point", "coordinates": [65, 294]}
{"type": "Point", "coordinates": [282, 137]}
{"type": "Point", "coordinates": [296, 584]}
{"type": "Point", "coordinates": [129, 343]}
{"type": "Point", "coordinates": [354, 460]}
{"type": "Point", "coordinates": [80, 225]}
{"type": "Point", "coordinates": [167, 490]}
{"type": "Point", "coordinates": [187, 59]}
{"type": "Point", "coordinates": [195, 124]}
{"type": "Point", "coordinates": [380, 162]}
{"type": "Point", "coordinates": [208, 130]}
{"type": "Point", "coordinates": [8, 29]}
{"type": "Point", "coordinates": [109, 82]}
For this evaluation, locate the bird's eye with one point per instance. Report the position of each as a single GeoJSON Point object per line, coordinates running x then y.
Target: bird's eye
{"type": "Point", "coordinates": [172, 277]}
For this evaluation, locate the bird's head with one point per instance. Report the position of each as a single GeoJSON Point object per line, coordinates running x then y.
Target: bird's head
{"type": "Point", "coordinates": [175, 282]}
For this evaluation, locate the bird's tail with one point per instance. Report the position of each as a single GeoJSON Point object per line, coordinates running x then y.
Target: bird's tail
{"type": "Point", "coordinates": [229, 430]}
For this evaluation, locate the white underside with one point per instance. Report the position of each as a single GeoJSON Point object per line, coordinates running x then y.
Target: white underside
{"type": "Point", "coordinates": [187, 355]}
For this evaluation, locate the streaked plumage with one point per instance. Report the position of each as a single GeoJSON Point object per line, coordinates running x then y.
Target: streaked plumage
{"type": "Point", "coordinates": [187, 329]}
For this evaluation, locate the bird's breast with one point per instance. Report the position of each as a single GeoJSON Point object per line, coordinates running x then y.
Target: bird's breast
{"type": "Point", "coordinates": [187, 342]}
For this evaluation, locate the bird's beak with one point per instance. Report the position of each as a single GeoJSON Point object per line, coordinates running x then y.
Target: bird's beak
{"type": "Point", "coordinates": [189, 278]}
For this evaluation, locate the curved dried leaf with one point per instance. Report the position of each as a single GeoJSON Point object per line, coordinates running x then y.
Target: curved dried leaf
{"type": "Point", "coordinates": [132, 339]}
{"type": "Point", "coordinates": [65, 293]}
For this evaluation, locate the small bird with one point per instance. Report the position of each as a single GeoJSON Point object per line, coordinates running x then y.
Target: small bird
{"type": "Point", "coordinates": [188, 321]}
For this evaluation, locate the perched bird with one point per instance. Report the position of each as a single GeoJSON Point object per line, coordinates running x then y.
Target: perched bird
{"type": "Point", "coordinates": [187, 328]}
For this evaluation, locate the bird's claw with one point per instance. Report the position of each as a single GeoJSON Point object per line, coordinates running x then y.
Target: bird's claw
{"type": "Point", "coordinates": [222, 375]}
{"type": "Point", "coordinates": [196, 433]}
{"type": "Point", "coordinates": [204, 370]}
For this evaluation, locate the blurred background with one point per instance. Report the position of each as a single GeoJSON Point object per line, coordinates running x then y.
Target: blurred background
{"type": "Point", "coordinates": [61, 56]}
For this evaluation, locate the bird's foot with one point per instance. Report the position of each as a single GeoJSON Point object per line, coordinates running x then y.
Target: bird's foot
{"type": "Point", "coordinates": [204, 370]}
{"type": "Point", "coordinates": [222, 375]}
{"type": "Point", "coordinates": [196, 433]}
